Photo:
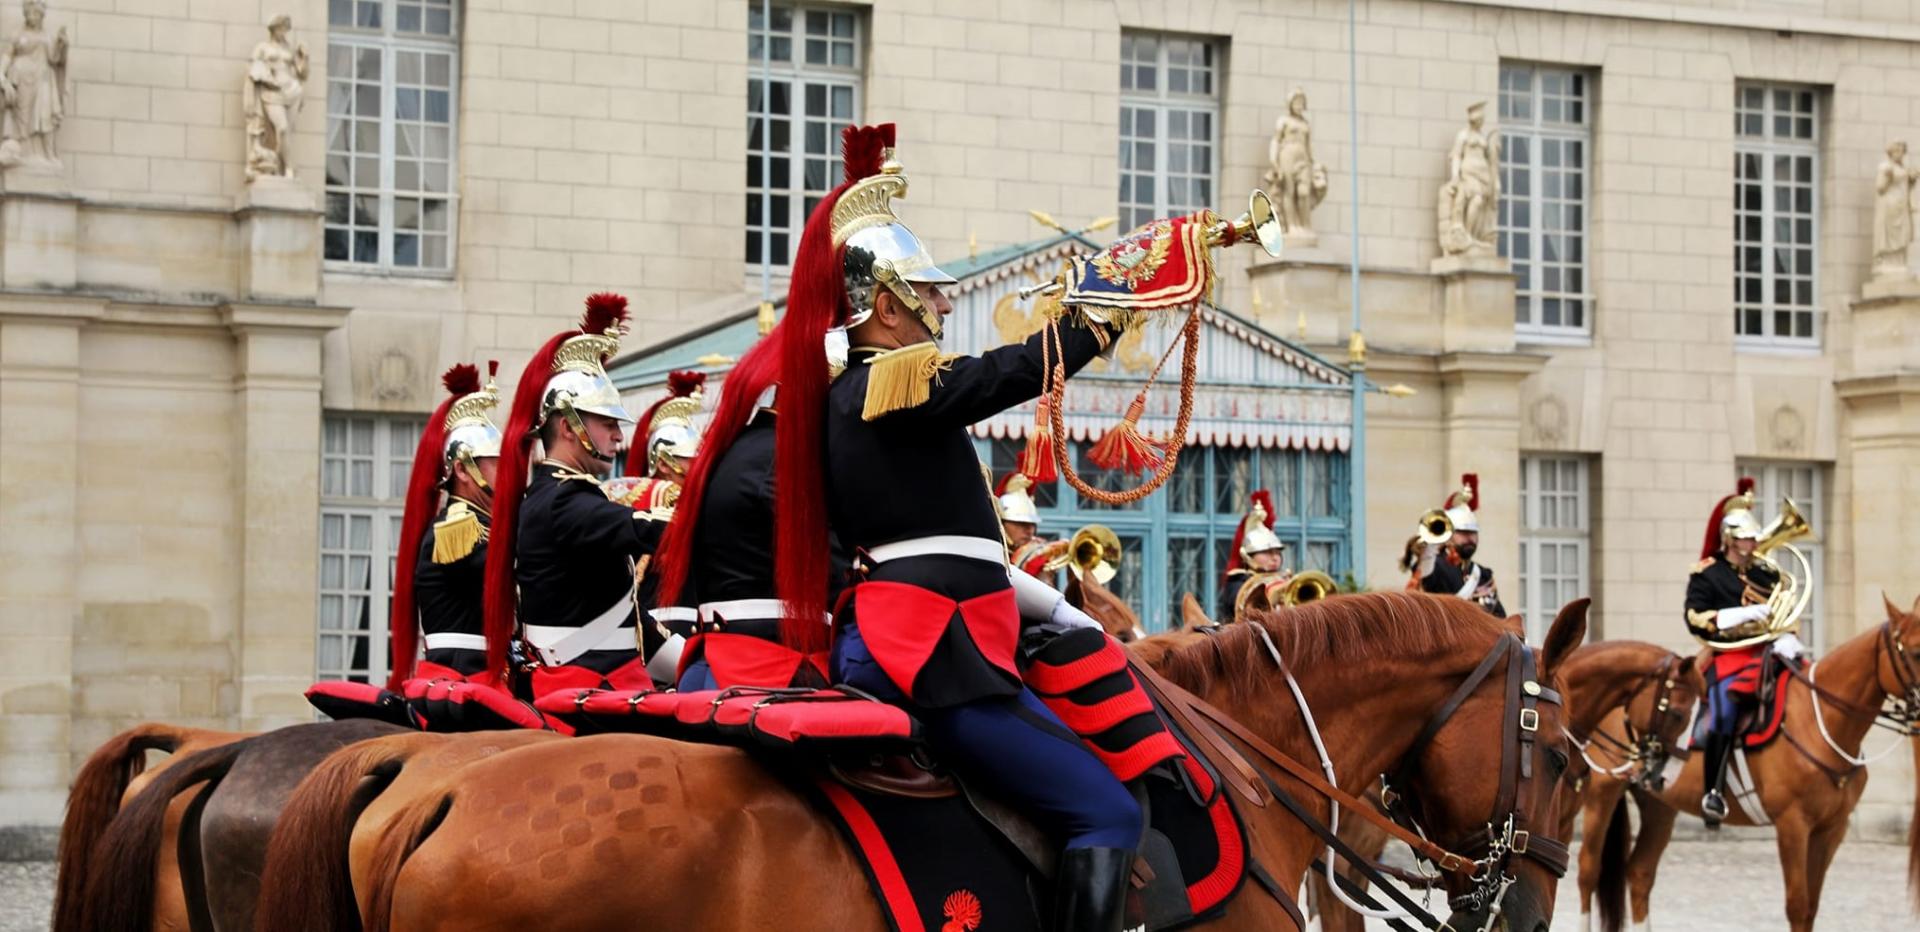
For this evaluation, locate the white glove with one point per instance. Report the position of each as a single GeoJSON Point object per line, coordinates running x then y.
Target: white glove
{"type": "Point", "coordinates": [1428, 554]}
{"type": "Point", "coordinates": [1789, 646]}
{"type": "Point", "coordinates": [1735, 617]}
{"type": "Point", "coordinates": [1043, 607]}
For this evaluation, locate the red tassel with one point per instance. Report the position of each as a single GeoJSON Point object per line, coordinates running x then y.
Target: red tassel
{"type": "Point", "coordinates": [1037, 459]}
{"type": "Point", "coordinates": [1124, 448]}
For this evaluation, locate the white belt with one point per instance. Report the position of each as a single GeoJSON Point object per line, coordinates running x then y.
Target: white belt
{"type": "Point", "coordinates": [560, 644]}
{"type": "Point", "coordinates": [747, 610]}
{"type": "Point", "coordinates": [943, 545]}
{"type": "Point", "coordinates": [678, 613]}
{"type": "Point", "coordinates": [451, 640]}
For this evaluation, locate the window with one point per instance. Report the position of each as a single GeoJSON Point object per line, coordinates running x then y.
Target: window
{"type": "Point", "coordinates": [1555, 522]}
{"type": "Point", "coordinates": [1169, 117]}
{"type": "Point", "coordinates": [803, 88]}
{"type": "Point", "coordinates": [1806, 484]}
{"type": "Point", "coordinates": [391, 67]}
{"type": "Point", "coordinates": [1776, 164]}
{"type": "Point", "coordinates": [364, 463]}
{"type": "Point", "coordinates": [1546, 140]}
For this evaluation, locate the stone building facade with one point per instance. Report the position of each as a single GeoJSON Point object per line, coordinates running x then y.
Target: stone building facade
{"type": "Point", "coordinates": [206, 383]}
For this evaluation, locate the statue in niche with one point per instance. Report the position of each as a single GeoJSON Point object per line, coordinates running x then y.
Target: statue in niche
{"type": "Point", "coordinates": [1296, 181]}
{"type": "Point", "coordinates": [1893, 213]}
{"type": "Point", "coordinates": [1471, 195]}
{"type": "Point", "coordinates": [275, 85]}
{"type": "Point", "coordinates": [33, 90]}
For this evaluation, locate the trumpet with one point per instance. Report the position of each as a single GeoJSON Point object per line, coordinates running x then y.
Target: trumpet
{"type": "Point", "coordinates": [1092, 549]}
{"type": "Point", "coordinates": [1435, 527]}
{"type": "Point", "coordinates": [1307, 586]}
{"type": "Point", "coordinates": [1260, 225]}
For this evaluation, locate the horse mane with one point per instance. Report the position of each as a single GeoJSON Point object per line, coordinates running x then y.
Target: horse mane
{"type": "Point", "coordinates": [1359, 628]}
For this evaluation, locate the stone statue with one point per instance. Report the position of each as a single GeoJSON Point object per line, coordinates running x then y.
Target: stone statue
{"type": "Point", "coordinates": [1471, 196]}
{"type": "Point", "coordinates": [1296, 181]}
{"type": "Point", "coordinates": [275, 84]}
{"type": "Point", "coordinates": [1893, 213]}
{"type": "Point", "coordinates": [33, 90]}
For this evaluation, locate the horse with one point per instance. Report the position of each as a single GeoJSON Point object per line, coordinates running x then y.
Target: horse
{"type": "Point", "coordinates": [1808, 780]}
{"type": "Point", "coordinates": [1615, 682]}
{"type": "Point", "coordinates": [1115, 615]}
{"type": "Point", "coordinates": [548, 835]}
{"type": "Point", "coordinates": [221, 836]}
{"type": "Point", "coordinates": [112, 776]}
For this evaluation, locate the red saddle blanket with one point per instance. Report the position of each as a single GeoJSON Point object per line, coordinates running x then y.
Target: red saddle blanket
{"type": "Point", "coordinates": [446, 704]}
{"type": "Point", "coordinates": [1758, 728]}
{"type": "Point", "coordinates": [780, 718]}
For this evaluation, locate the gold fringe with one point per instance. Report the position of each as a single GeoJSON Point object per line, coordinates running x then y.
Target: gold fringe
{"type": "Point", "coordinates": [456, 537]}
{"type": "Point", "coordinates": [903, 378]}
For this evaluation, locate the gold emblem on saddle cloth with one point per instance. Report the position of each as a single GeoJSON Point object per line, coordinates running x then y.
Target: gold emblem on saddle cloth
{"type": "Point", "coordinates": [1137, 259]}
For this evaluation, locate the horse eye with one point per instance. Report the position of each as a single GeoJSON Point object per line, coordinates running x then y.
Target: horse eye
{"type": "Point", "coordinates": [1559, 760]}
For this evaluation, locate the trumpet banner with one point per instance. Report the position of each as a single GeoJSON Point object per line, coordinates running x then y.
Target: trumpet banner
{"type": "Point", "coordinates": [1163, 264]}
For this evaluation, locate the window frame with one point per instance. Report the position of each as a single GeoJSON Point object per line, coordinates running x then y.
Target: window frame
{"type": "Point", "coordinates": [1162, 102]}
{"type": "Point", "coordinates": [1537, 131]}
{"type": "Point", "coordinates": [799, 76]}
{"type": "Point", "coordinates": [391, 455]}
{"type": "Point", "coordinates": [390, 43]}
{"type": "Point", "coordinates": [1536, 535]}
{"type": "Point", "coordinates": [1768, 485]}
{"type": "Point", "coordinates": [1769, 148]}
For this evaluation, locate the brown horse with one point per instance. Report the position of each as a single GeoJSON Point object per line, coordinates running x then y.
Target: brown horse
{"type": "Point", "coordinates": [556, 836]}
{"type": "Point", "coordinates": [1612, 681]}
{"type": "Point", "coordinates": [1807, 779]}
{"type": "Point", "coordinates": [115, 773]}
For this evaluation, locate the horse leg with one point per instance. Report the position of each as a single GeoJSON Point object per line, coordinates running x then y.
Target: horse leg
{"type": "Point", "coordinates": [1821, 846]}
{"type": "Point", "coordinates": [1601, 797]}
{"type": "Point", "coordinates": [1656, 830]}
{"type": "Point", "coordinates": [1792, 839]}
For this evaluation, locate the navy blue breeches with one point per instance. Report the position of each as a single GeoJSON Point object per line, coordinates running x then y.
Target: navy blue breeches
{"type": "Point", "coordinates": [1013, 746]}
{"type": "Point", "coordinates": [698, 676]}
{"type": "Point", "coordinates": [1723, 705]}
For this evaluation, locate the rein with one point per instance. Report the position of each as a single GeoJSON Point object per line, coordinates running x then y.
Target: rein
{"type": "Point", "coordinates": [1900, 719]}
{"type": "Point", "coordinates": [1641, 748]}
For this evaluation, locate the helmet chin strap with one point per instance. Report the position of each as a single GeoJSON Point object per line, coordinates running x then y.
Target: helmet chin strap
{"type": "Point", "coordinates": [884, 273]}
{"type": "Point", "coordinates": [578, 425]}
{"type": "Point", "coordinates": [472, 469]}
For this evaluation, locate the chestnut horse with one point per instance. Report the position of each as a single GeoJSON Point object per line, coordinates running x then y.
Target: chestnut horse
{"type": "Point", "coordinates": [601, 832]}
{"type": "Point", "coordinates": [1609, 682]}
{"type": "Point", "coordinates": [1808, 779]}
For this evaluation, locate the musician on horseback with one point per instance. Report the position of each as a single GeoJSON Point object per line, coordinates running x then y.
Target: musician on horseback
{"type": "Point", "coordinates": [1020, 522]}
{"type": "Point", "coordinates": [1447, 567]}
{"type": "Point", "coordinates": [934, 619]}
{"type": "Point", "coordinates": [560, 543]}
{"type": "Point", "coordinates": [1727, 601]}
{"type": "Point", "coordinates": [1256, 569]}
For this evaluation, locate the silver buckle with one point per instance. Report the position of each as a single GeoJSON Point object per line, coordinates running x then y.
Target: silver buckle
{"type": "Point", "coordinates": [1529, 719]}
{"type": "Point", "coordinates": [1519, 843]}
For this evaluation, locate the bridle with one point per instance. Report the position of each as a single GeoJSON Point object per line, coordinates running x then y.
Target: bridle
{"type": "Point", "coordinates": [1643, 752]}
{"type": "Point", "coordinates": [1906, 672]}
{"type": "Point", "coordinates": [1506, 833]}
{"type": "Point", "coordinates": [1483, 857]}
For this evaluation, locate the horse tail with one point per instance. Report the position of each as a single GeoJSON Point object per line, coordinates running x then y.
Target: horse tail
{"type": "Point", "coordinates": [307, 881]}
{"type": "Point", "coordinates": [118, 896]}
{"type": "Point", "coordinates": [1610, 887]}
{"type": "Point", "coordinates": [404, 835]}
{"type": "Point", "coordinates": [91, 805]}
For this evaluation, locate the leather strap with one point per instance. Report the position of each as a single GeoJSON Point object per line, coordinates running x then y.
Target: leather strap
{"type": "Point", "coordinates": [944, 545]}
{"type": "Point", "coordinates": [1279, 893]}
{"type": "Point", "coordinates": [453, 640]}
{"type": "Point", "coordinates": [558, 645]}
{"type": "Point", "coordinates": [674, 614]}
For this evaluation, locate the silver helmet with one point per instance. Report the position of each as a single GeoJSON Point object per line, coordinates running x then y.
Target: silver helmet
{"type": "Point", "coordinates": [471, 434]}
{"type": "Point", "coordinates": [671, 434]}
{"type": "Point", "coordinates": [1016, 503]}
{"type": "Point", "coordinates": [1256, 536]}
{"type": "Point", "coordinates": [880, 250]}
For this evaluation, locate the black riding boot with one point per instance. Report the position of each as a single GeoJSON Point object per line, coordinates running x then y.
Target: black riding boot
{"type": "Point", "coordinates": [1090, 893]}
{"type": "Point", "coordinates": [1713, 806]}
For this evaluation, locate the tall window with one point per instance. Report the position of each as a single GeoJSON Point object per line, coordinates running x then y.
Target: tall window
{"type": "Point", "coordinates": [1555, 523]}
{"type": "Point", "coordinates": [803, 88]}
{"type": "Point", "coordinates": [1169, 124]}
{"type": "Point", "coordinates": [1806, 484]}
{"type": "Point", "coordinates": [391, 67]}
{"type": "Point", "coordinates": [1546, 139]}
{"type": "Point", "coordinates": [1776, 171]}
{"type": "Point", "coordinates": [364, 461]}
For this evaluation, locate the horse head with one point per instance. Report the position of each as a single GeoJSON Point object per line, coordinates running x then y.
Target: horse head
{"type": "Point", "coordinates": [1899, 675]}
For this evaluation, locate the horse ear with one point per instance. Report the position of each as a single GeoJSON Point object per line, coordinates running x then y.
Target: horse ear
{"type": "Point", "coordinates": [1894, 615]}
{"type": "Point", "coordinates": [1687, 665]}
{"type": "Point", "coordinates": [1568, 631]}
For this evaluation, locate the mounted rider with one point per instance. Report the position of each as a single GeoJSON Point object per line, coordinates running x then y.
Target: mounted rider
{"type": "Point", "coordinates": [934, 620]}
{"type": "Point", "coordinates": [1020, 523]}
{"type": "Point", "coordinates": [1728, 610]}
{"type": "Point", "coordinates": [438, 577]}
{"type": "Point", "coordinates": [1256, 569]}
{"type": "Point", "coordinates": [1448, 568]}
{"type": "Point", "coordinates": [656, 468]}
{"type": "Point", "coordinates": [565, 555]}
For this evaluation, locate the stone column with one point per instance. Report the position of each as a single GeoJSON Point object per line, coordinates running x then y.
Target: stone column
{"type": "Point", "coordinates": [39, 231]}
{"type": "Point", "coordinates": [39, 548]}
{"type": "Point", "coordinates": [277, 436]}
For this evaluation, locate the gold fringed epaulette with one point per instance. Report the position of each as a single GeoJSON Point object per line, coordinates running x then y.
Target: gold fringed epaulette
{"type": "Point", "coordinates": [1703, 564]}
{"type": "Point", "coordinates": [903, 378]}
{"type": "Point", "coordinates": [457, 535]}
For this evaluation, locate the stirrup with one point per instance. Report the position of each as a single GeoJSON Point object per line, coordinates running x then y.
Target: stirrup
{"type": "Point", "coordinates": [1713, 808]}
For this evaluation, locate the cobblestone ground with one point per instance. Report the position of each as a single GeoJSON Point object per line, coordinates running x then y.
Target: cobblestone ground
{"type": "Point", "coordinates": [1726, 886]}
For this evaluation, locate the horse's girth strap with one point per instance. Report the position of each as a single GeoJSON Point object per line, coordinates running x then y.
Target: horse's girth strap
{"type": "Point", "coordinates": [1197, 711]}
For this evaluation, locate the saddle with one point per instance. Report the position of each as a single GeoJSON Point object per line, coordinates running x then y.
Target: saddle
{"type": "Point", "coordinates": [940, 852]}
{"type": "Point", "coordinates": [1759, 721]}
{"type": "Point", "coordinates": [437, 703]}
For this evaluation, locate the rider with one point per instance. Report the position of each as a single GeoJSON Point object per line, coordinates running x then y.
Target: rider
{"type": "Point", "coordinates": [1727, 610]}
{"type": "Point", "coordinates": [934, 619]}
{"type": "Point", "coordinates": [1257, 564]}
{"type": "Point", "coordinates": [1449, 568]}
{"type": "Point", "coordinates": [1020, 522]}
{"type": "Point", "coordinates": [657, 467]}
{"type": "Point", "coordinates": [565, 548]}
{"type": "Point", "coordinates": [437, 576]}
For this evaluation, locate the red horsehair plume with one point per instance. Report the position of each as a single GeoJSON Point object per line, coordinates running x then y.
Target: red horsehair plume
{"type": "Point", "coordinates": [1471, 481]}
{"type": "Point", "coordinates": [684, 382]}
{"type": "Point", "coordinates": [605, 312]}
{"type": "Point", "coordinates": [462, 379]}
{"type": "Point", "coordinates": [1744, 486]}
{"type": "Point", "coordinates": [864, 148]}
{"type": "Point", "coordinates": [962, 910]}
{"type": "Point", "coordinates": [1264, 499]}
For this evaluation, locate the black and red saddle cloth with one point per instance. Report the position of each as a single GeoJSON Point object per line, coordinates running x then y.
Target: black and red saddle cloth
{"type": "Point", "coordinates": [941, 856]}
{"type": "Point", "coordinates": [1759, 723]}
{"type": "Point", "coordinates": [449, 703]}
